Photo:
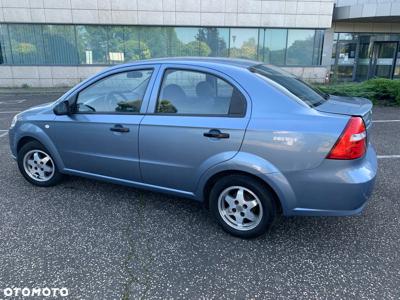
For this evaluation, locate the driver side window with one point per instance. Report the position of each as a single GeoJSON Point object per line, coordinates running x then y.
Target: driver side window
{"type": "Point", "coordinates": [122, 92]}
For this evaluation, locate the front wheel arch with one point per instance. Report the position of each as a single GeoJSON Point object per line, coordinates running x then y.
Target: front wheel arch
{"type": "Point", "coordinates": [36, 134]}
{"type": "Point", "coordinates": [25, 140]}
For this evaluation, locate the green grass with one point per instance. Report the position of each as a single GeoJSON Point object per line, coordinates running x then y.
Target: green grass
{"type": "Point", "coordinates": [381, 91]}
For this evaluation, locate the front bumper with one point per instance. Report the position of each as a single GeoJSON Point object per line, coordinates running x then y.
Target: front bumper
{"type": "Point", "coordinates": [335, 188]}
{"type": "Point", "coordinates": [12, 142]}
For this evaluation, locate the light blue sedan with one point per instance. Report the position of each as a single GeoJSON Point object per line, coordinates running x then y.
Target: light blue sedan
{"type": "Point", "coordinates": [249, 140]}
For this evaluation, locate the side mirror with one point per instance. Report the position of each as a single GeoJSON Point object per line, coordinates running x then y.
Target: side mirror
{"type": "Point", "coordinates": [62, 108]}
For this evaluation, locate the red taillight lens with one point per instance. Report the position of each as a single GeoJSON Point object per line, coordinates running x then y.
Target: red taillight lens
{"type": "Point", "coordinates": [352, 143]}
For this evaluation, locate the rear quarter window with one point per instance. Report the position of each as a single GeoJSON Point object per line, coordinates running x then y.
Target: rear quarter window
{"type": "Point", "coordinates": [303, 91]}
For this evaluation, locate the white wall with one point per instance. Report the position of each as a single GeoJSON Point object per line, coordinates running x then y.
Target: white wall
{"type": "Point", "coordinates": [270, 13]}
{"type": "Point", "coordinates": [43, 76]}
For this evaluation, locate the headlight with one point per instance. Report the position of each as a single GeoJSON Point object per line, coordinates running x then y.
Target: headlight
{"type": "Point", "coordinates": [14, 121]}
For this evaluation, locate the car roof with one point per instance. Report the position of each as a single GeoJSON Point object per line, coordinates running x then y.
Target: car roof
{"type": "Point", "coordinates": [236, 62]}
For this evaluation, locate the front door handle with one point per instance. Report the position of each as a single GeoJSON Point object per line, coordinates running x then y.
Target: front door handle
{"type": "Point", "coordinates": [216, 133]}
{"type": "Point", "coordinates": [119, 128]}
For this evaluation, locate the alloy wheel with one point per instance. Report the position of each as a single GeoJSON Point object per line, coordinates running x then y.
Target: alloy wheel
{"type": "Point", "coordinates": [38, 165]}
{"type": "Point", "coordinates": [240, 208]}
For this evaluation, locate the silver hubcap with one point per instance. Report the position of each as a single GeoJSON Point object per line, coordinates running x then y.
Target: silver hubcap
{"type": "Point", "coordinates": [38, 165]}
{"type": "Point", "coordinates": [240, 208]}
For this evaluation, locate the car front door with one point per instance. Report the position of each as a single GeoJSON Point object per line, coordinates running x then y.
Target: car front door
{"type": "Point", "coordinates": [101, 136]}
{"type": "Point", "coordinates": [196, 119]}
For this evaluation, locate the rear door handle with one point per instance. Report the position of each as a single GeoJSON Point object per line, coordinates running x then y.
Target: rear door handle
{"type": "Point", "coordinates": [119, 128]}
{"type": "Point", "coordinates": [216, 133]}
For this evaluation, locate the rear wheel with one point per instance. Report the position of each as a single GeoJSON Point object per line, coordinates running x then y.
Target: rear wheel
{"type": "Point", "coordinates": [244, 207]}
{"type": "Point", "coordinates": [37, 166]}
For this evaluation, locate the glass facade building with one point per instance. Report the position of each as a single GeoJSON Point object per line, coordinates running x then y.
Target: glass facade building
{"type": "Point", "coordinates": [360, 56]}
{"type": "Point", "coordinates": [51, 44]}
{"type": "Point", "coordinates": [60, 43]}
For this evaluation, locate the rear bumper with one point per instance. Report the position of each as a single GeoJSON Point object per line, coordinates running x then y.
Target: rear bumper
{"type": "Point", "coordinates": [335, 188]}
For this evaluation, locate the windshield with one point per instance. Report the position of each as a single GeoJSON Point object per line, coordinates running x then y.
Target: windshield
{"type": "Point", "coordinates": [308, 94]}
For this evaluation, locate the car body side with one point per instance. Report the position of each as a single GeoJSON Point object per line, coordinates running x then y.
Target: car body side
{"type": "Point", "coordinates": [285, 145]}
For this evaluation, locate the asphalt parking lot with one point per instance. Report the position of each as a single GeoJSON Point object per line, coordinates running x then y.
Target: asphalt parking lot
{"type": "Point", "coordinates": [103, 241]}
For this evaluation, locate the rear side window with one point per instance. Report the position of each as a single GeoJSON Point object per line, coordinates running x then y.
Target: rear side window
{"type": "Point", "coordinates": [187, 92]}
{"type": "Point", "coordinates": [118, 93]}
{"type": "Point", "coordinates": [308, 94]}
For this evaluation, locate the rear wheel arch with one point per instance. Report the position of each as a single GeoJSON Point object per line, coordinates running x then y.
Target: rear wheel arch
{"type": "Point", "coordinates": [214, 178]}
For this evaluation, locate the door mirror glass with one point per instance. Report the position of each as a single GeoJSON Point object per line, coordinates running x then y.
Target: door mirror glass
{"type": "Point", "coordinates": [62, 108]}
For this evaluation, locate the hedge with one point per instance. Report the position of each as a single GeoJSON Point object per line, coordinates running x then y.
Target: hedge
{"type": "Point", "coordinates": [380, 91]}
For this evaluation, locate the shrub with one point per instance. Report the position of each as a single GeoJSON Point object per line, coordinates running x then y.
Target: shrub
{"type": "Point", "coordinates": [380, 91]}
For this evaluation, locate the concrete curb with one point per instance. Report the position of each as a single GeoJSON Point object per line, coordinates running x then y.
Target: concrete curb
{"type": "Point", "coordinates": [33, 90]}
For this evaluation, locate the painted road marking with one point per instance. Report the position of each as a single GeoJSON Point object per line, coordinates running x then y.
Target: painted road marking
{"type": "Point", "coordinates": [13, 101]}
{"type": "Point", "coordinates": [10, 112]}
{"type": "Point", "coordinates": [4, 133]}
{"type": "Point", "coordinates": [384, 121]}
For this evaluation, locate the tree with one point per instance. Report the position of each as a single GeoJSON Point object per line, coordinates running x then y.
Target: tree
{"type": "Point", "coordinates": [195, 48]}
{"type": "Point", "coordinates": [247, 50]}
{"type": "Point", "coordinates": [216, 44]}
{"type": "Point", "coordinates": [300, 52]}
{"type": "Point", "coordinates": [135, 50]}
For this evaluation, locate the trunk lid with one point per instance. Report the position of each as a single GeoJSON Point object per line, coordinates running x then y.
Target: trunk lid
{"type": "Point", "coordinates": [351, 106]}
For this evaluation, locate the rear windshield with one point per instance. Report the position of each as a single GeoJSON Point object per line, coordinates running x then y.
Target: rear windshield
{"type": "Point", "coordinates": [308, 94]}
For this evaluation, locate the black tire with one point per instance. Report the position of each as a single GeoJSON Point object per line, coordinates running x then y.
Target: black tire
{"type": "Point", "coordinates": [34, 145]}
{"type": "Point", "coordinates": [265, 197]}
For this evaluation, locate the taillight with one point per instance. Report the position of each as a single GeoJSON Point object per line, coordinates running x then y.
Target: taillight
{"type": "Point", "coordinates": [352, 143]}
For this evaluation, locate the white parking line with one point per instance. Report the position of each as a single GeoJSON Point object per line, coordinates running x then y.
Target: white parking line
{"type": "Point", "coordinates": [384, 121]}
{"type": "Point", "coordinates": [17, 101]}
{"type": "Point", "coordinates": [4, 133]}
{"type": "Point", "coordinates": [10, 112]}
{"type": "Point", "coordinates": [388, 156]}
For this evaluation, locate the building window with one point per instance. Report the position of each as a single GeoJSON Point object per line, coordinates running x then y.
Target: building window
{"type": "Point", "coordinates": [5, 47]}
{"type": "Point", "coordinates": [300, 47]}
{"type": "Point", "coordinates": [318, 44]}
{"type": "Point", "coordinates": [116, 45]}
{"type": "Point", "coordinates": [34, 44]}
{"type": "Point", "coordinates": [217, 40]}
{"type": "Point", "coordinates": [156, 41]}
{"type": "Point", "coordinates": [275, 46]}
{"type": "Point", "coordinates": [184, 43]}
{"type": "Point", "coordinates": [92, 44]}
{"type": "Point", "coordinates": [59, 45]}
{"type": "Point", "coordinates": [26, 44]}
{"type": "Point", "coordinates": [244, 43]}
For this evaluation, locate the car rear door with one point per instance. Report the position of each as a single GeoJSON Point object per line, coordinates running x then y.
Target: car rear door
{"type": "Point", "coordinates": [196, 118]}
{"type": "Point", "coordinates": [101, 137]}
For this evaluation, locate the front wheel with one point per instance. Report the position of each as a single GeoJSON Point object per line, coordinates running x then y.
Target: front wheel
{"type": "Point", "coordinates": [244, 207]}
{"type": "Point", "coordinates": [37, 166]}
